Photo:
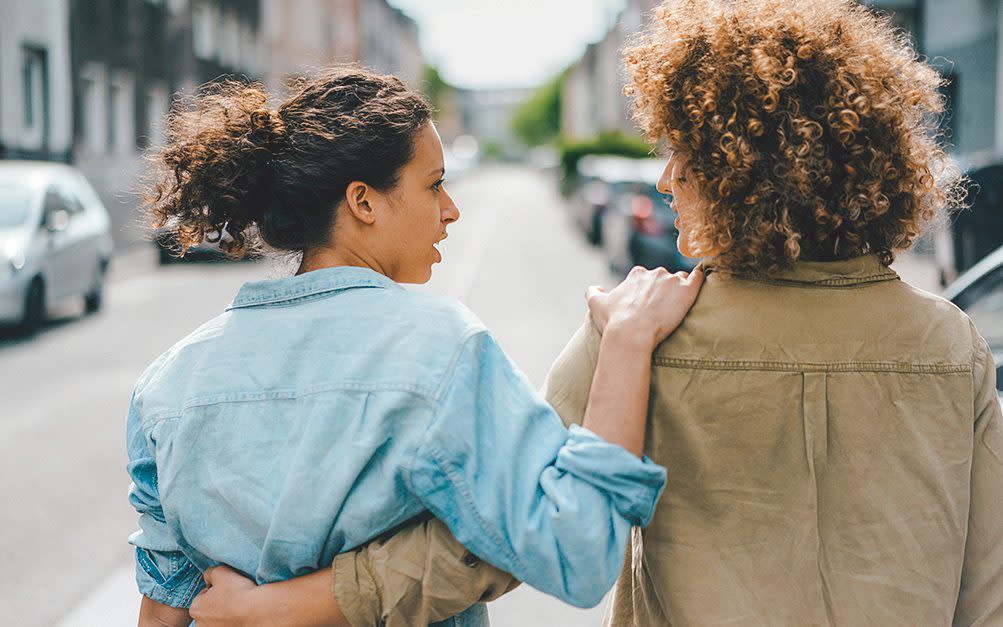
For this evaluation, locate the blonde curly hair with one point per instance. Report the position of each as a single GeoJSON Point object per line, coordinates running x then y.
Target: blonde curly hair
{"type": "Point", "coordinates": [810, 127]}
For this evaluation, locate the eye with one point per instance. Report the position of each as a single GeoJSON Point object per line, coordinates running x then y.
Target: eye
{"type": "Point", "coordinates": [437, 186]}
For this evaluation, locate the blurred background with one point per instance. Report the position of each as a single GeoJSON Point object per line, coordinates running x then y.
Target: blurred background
{"type": "Point", "coordinates": [555, 186]}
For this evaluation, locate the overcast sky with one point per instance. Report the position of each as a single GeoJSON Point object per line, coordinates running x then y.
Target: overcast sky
{"type": "Point", "coordinates": [507, 43]}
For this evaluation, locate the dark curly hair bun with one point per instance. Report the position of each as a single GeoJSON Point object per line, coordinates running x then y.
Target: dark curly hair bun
{"type": "Point", "coordinates": [233, 170]}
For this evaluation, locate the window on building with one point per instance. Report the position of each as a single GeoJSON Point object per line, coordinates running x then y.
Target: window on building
{"type": "Point", "coordinates": [229, 40]}
{"type": "Point", "coordinates": [204, 30]}
{"type": "Point", "coordinates": [157, 105]}
{"type": "Point", "coordinates": [121, 113]}
{"type": "Point", "coordinates": [93, 116]}
{"type": "Point", "coordinates": [35, 91]}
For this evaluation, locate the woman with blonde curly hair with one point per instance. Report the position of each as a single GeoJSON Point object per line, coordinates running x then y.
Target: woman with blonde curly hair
{"type": "Point", "coordinates": [831, 433]}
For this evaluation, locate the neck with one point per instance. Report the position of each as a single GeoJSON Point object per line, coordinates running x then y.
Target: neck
{"type": "Point", "coordinates": [334, 257]}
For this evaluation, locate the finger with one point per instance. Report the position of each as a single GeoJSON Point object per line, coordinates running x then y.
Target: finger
{"type": "Point", "coordinates": [695, 278]}
{"type": "Point", "coordinates": [636, 270]}
{"type": "Point", "coordinates": [593, 292]}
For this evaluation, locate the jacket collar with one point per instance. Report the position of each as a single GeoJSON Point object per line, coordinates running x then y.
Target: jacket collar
{"type": "Point", "coordinates": [843, 273]}
{"type": "Point", "coordinates": [284, 290]}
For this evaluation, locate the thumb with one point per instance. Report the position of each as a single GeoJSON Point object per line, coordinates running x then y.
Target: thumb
{"type": "Point", "coordinates": [210, 576]}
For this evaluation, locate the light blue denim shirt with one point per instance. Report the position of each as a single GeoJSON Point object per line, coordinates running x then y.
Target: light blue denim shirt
{"type": "Point", "coordinates": [321, 410]}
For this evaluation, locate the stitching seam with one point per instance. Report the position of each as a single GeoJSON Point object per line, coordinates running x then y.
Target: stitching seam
{"type": "Point", "coordinates": [858, 366]}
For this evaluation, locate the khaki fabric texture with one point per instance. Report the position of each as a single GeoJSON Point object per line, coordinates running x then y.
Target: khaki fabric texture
{"type": "Point", "coordinates": [832, 438]}
{"type": "Point", "coordinates": [416, 576]}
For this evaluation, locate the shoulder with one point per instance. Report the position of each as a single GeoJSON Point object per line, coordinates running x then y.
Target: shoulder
{"type": "Point", "coordinates": [427, 309]}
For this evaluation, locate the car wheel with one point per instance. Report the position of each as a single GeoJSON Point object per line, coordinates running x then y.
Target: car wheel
{"type": "Point", "coordinates": [93, 298]}
{"type": "Point", "coordinates": [34, 308]}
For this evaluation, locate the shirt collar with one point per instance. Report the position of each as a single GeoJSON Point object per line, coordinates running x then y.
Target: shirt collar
{"type": "Point", "coordinates": [843, 273]}
{"type": "Point", "coordinates": [274, 291]}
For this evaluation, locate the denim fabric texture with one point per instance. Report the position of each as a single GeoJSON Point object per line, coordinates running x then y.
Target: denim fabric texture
{"type": "Point", "coordinates": [321, 410]}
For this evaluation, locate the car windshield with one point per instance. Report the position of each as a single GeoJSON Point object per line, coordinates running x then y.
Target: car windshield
{"type": "Point", "coordinates": [15, 205]}
{"type": "Point", "coordinates": [983, 301]}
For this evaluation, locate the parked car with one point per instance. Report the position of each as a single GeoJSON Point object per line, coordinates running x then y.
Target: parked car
{"type": "Point", "coordinates": [167, 249]}
{"type": "Point", "coordinates": [639, 228]}
{"type": "Point", "coordinates": [979, 293]}
{"type": "Point", "coordinates": [55, 241]}
{"type": "Point", "coordinates": [601, 180]}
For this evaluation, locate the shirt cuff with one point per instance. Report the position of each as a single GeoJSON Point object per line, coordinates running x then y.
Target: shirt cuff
{"type": "Point", "coordinates": [633, 484]}
{"type": "Point", "coordinates": [355, 590]}
{"type": "Point", "coordinates": [168, 578]}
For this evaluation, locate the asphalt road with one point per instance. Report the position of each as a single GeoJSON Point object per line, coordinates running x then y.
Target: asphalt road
{"type": "Point", "coordinates": [513, 258]}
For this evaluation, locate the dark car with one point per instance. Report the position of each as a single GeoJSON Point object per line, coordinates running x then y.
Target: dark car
{"type": "Point", "coordinates": [601, 180]}
{"type": "Point", "coordinates": [979, 293]}
{"type": "Point", "coordinates": [639, 228]}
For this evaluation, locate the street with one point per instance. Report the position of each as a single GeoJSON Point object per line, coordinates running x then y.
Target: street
{"type": "Point", "coordinates": [512, 258]}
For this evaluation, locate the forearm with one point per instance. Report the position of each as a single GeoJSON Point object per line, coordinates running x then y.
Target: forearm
{"type": "Point", "coordinates": [618, 401]}
{"type": "Point", "coordinates": [305, 601]}
{"type": "Point", "coordinates": [155, 614]}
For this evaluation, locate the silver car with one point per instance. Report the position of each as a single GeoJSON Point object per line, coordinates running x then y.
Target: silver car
{"type": "Point", "coordinates": [979, 293]}
{"type": "Point", "coordinates": [55, 241]}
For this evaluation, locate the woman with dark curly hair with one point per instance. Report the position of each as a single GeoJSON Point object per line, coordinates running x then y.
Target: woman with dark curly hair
{"type": "Point", "coordinates": [832, 434]}
{"type": "Point", "coordinates": [324, 409]}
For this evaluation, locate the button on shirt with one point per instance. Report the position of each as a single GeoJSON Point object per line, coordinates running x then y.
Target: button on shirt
{"type": "Point", "coordinates": [321, 410]}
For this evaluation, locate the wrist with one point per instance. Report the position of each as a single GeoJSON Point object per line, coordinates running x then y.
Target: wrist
{"type": "Point", "coordinates": [630, 334]}
{"type": "Point", "coordinates": [260, 605]}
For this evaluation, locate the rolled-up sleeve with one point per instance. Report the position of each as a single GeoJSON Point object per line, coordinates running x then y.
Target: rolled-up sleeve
{"type": "Point", "coordinates": [163, 572]}
{"type": "Point", "coordinates": [551, 506]}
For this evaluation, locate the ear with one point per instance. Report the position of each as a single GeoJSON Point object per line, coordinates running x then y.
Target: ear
{"type": "Point", "coordinates": [357, 197]}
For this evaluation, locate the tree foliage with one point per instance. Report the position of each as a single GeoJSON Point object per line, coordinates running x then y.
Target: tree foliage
{"type": "Point", "coordinates": [538, 120]}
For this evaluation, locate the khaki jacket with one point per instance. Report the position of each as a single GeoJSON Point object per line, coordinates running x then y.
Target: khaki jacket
{"type": "Point", "coordinates": [835, 457]}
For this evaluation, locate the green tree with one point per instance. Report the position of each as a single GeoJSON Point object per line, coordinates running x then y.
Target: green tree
{"type": "Point", "coordinates": [538, 120]}
{"type": "Point", "coordinates": [434, 86]}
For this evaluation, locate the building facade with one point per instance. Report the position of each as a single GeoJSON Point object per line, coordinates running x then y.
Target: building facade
{"type": "Point", "coordinates": [302, 36]}
{"type": "Point", "coordinates": [592, 99]}
{"type": "Point", "coordinates": [128, 60]}
{"type": "Point", "coordinates": [35, 94]}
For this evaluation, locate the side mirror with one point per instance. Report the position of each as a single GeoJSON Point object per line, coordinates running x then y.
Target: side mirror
{"type": "Point", "coordinates": [57, 220]}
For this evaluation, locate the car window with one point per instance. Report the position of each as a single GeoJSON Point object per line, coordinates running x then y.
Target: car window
{"type": "Point", "coordinates": [983, 302]}
{"type": "Point", "coordinates": [70, 200]}
{"type": "Point", "coordinates": [87, 195]}
{"type": "Point", "coordinates": [15, 205]}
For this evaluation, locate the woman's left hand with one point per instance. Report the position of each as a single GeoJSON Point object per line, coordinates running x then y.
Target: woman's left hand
{"type": "Point", "coordinates": [227, 601]}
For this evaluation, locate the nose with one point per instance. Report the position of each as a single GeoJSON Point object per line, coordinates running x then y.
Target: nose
{"type": "Point", "coordinates": [664, 185]}
{"type": "Point", "coordinates": [450, 212]}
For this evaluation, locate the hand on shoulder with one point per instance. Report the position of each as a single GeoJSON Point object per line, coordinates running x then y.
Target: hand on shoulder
{"type": "Point", "coordinates": [648, 305]}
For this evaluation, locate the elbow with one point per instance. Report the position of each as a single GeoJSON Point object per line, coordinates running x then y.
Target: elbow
{"type": "Point", "coordinates": [587, 586]}
{"type": "Point", "coordinates": [587, 593]}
